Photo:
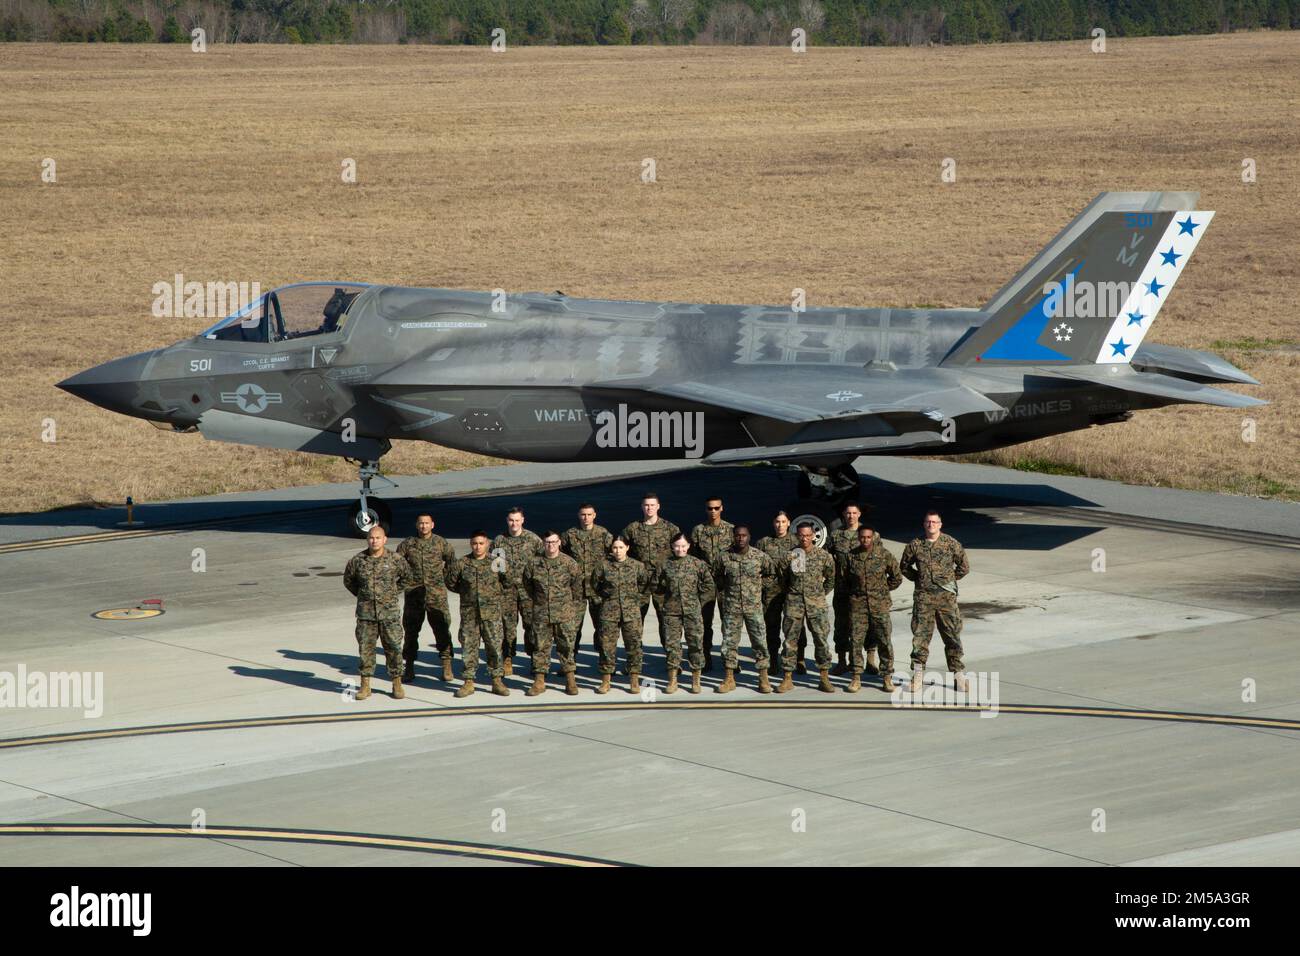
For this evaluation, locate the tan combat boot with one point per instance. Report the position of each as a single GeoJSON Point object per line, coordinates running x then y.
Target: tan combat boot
{"type": "Point", "coordinates": [499, 687]}
{"type": "Point", "coordinates": [873, 660]}
{"type": "Point", "coordinates": [466, 688]}
{"type": "Point", "coordinates": [446, 668]}
{"type": "Point", "coordinates": [509, 665]}
{"type": "Point", "coordinates": [539, 684]}
{"type": "Point", "coordinates": [695, 680]}
{"type": "Point", "coordinates": [787, 683]}
{"type": "Point", "coordinates": [841, 665]}
{"type": "Point", "coordinates": [763, 686]}
{"type": "Point", "coordinates": [634, 683]}
{"type": "Point", "coordinates": [364, 691]}
{"type": "Point", "coordinates": [825, 685]}
{"type": "Point", "coordinates": [604, 684]}
{"type": "Point", "coordinates": [888, 685]}
{"type": "Point", "coordinates": [728, 683]}
{"type": "Point", "coordinates": [672, 681]}
{"type": "Point", "coordinates": [855, 684]}
{"type": "Point", "coordinates": [398, 693]}
{"type": "Point", "coordinates": [918, 678]}
{"type": "Point", "coordinates": [571, 684]}
{"type": "Point", "coordinates": [959, 682]}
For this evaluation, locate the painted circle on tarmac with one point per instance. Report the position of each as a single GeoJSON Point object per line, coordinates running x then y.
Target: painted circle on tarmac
{"type": "Point", "coordinates": [127, 613]}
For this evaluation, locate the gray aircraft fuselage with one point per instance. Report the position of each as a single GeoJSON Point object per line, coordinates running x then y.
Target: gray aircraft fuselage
{"type": "Point", "coordinates": [527, 382]}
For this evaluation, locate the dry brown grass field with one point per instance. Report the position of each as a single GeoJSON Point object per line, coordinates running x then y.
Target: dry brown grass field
{"type": "Point", "coordinates": [522, 170]}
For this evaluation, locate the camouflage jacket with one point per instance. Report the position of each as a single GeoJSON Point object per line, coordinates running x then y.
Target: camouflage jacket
{"type": "Point", "coordinates": [742, 578]}
{"type": "Point", "coordinates": [708, 542]}
{"type": "Point", "coordinates": [841, 544]}
{"type": "Point", "coordinates": [518, 552]}
{"type": "Point", "coordinates": [479, 586]}
{"type": "Point", "coordinates": [686, 584]}
{"type": "Point", "coordinates": [555, 585]}
{"type": "Point", "coordinates": [589, 549]}
{"type": "Point", "coordinates": [870, 575]}
{"type": "Point", "coordinates": [622, 585]}
{"type": "Point", "coordinates": [935, 566]}
{"type": "Point", "coordinates": [776, 549]}
{"type": "Point", "coordinates": [650, 542]}
{"type": "Point", "coordinates": [377, 583]}
{"type": "Point", "coordinates": [808, 577]}
{"type": "Point", "coordinates": [429, 560]}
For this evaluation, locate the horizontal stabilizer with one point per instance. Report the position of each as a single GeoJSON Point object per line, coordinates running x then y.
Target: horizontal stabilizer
{"type": "Point", "coordinates": [819, 449]}
{"type": "Point", "coordinates": [1157, 385]}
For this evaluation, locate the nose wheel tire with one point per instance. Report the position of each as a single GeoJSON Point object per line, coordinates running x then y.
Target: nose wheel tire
{"type": "Point", "coordinates": [376, 513]}
{"type": "Point", "coordinates": [819, 514]}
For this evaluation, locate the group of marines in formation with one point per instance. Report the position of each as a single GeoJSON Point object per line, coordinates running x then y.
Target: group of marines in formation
{"type": "Point", "coordinates": [775, 590]}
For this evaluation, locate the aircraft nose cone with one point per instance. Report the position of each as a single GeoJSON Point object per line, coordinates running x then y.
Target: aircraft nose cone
{"type": "Point", "coordinates": [113, 385]}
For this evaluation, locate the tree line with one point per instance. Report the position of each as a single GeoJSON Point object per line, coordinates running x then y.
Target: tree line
{"type": "Point", "coordinates": [830, 22]}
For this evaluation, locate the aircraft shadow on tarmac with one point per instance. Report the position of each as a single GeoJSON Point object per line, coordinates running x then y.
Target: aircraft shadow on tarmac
{"type": "Point", "coordinates": [751, 495]}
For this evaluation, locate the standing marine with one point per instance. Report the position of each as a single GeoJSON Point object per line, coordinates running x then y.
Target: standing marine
{"type": "Point", "coordinates": [377, 577]}
{"type": "Point", "coordinates": [743, 573]}
{"type": "Point", "coordinates": [554, 585]}
{"type": "Point", "coordinates": [429, 556]}
{"type": "Point", "coordinates": [871, 573]}
{"type": "Point", "coordinates": [686, 586]}
{"type": "Point", "coordinates": [622, 583]}
{"type": "Point", "coordinates": [809, 575]}
{"type": "Point", "coordinates": [935, 562]}
{"type": "Point", "coordinates": [482, 587]}
{"type": "Point", "coordinates": [516, 549]}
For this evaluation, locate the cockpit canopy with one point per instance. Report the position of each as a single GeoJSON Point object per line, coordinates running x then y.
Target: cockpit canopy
{"type": "Point", "coordinates": [290, 312]}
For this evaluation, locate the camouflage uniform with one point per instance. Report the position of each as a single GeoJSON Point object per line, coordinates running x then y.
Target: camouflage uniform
{"type": "Point", "coordinates": [429, 560]}
{"type": "Point", "coordinates": [686, 586]}
{"type": "Point", "coordinates": [482, 593]}
{"type": "Point", "coordinates": [555, 588]}
{"type": "Point", "coordinates": [622, 588]}
{"type": "Point", "coordinates": [869, 576]}
{"type": "Point", "coordinates": [808, 577]}
{"type": "Point", "coordinates": [518, 552]}
{"type": "Point", "coordinates": [774, 595]}
{"type": "Point", "coordinates": [377, 582]}
{"type": "Point", "coordinates": [589, 549]}
{"type": "Point", "coordinates": [742, 579]}
{"type": "Point", "coordinates": [708, 544]}
{"type": "Point", "coordinates": [651, 546]}
{"type": "Point", "coordinates": [935, 567]}
{"type": "Point", "coordinates": [841, 544]}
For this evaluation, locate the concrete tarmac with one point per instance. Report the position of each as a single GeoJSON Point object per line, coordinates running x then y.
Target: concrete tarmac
{"type": "Point", "coordinates": [1144, 644]}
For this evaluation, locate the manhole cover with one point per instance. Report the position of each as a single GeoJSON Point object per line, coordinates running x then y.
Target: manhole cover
{"type": "Point", "coordinates": [127, 613]}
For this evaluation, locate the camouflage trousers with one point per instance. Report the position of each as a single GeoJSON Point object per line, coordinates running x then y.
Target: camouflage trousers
{"type": "Point", "coordinates": [476, 630]}
{"type": "Point", "coordinates": [929, 609]}
{"type": "Point", "coordinates": [387, 630]}
{"type": "Point", "coordinates": [612, 624]}
{"type": "Point", "coordinates": [413, 616]}
{"type": "Point", "coordinates": [798, 614]}
{"type": "Point", "coordinates": [517, 612]}
{"type": "Point", "coordinates": [772, 624]}
{"type": "Point", "coordinates": [843, 622]}
{"type": "Point", "coordinates": [692, 627]}
{"type": "Point", "coordinates": [871, 628]}
{"type": "Point", "coordinates": [559, 636]}
{"type": "Point", "coordinates": [751, 619]}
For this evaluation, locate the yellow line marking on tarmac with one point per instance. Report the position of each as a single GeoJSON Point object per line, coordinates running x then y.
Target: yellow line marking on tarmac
{"type": "Point", "coordinates": [17, 546]}
{"type": "Point", "coordinates": [504, 710]}
{"type": "Point", "coordinates": [381, 841]}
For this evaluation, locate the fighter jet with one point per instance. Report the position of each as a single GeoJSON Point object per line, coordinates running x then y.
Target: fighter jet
{"type": "Point", "coordinates": [341, 368]}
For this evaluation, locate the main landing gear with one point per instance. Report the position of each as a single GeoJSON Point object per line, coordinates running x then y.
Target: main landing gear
{"type": "Point", "coordinates": [823, 490]}
{"type": "Point", "coordinates": [369, 510]}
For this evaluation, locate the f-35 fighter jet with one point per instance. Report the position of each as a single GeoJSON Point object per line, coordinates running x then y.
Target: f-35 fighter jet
{"type": "Point", "coordinates": [341, 368]}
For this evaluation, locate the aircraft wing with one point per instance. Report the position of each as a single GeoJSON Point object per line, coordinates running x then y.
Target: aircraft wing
{"type": "Point", "coordinates": [808, 393]}
{"type": "Point", "coordinates": [825, 449]}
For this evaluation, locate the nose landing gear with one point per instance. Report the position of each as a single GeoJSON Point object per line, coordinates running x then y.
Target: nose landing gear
{"type": "Point", "coordinates": [369, 510]}
{"type": "Point", "coordinates": [823, 491]}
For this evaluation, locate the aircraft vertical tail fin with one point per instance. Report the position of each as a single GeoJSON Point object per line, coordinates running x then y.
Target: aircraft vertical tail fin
{"type": "Point", "coordinates": [1091, 294]}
